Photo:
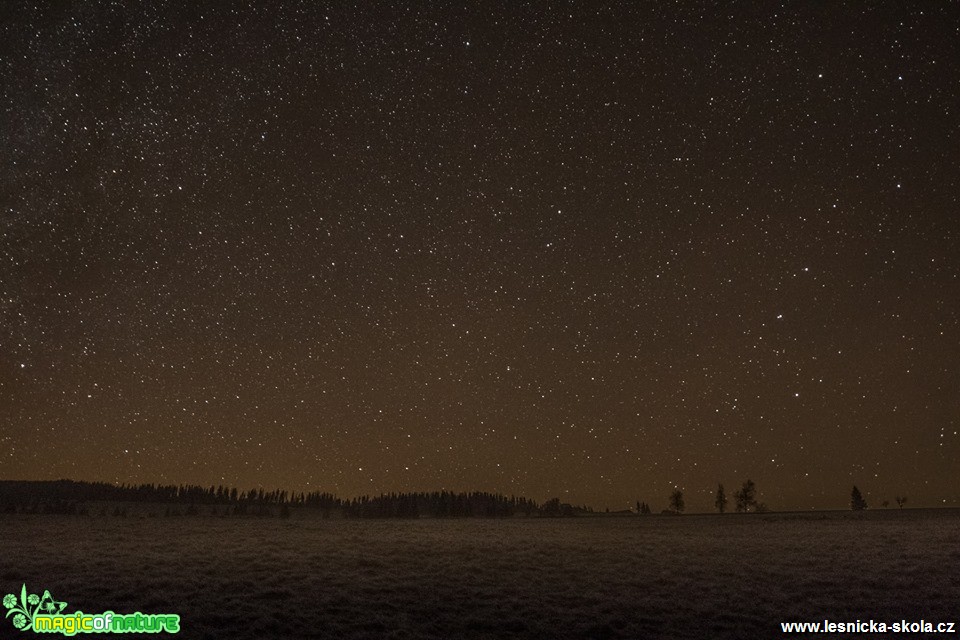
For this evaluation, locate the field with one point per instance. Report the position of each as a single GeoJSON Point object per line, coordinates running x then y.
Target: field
{"type": "Point", "coordinates": [598, 577]}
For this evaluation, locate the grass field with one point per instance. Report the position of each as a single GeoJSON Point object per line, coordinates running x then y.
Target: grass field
{"type": "Point", "coordinates": [600, 577]}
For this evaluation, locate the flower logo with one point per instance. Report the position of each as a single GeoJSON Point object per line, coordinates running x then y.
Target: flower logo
{"type": "Point", "coordinates": [28, 606]}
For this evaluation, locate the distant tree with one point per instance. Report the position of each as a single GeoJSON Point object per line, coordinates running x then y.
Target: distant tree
{"type": "Point", "coordinates": [676, 501]}
{"type": "Point", "coordinates": [857, 503]}
{"type": "Point", "coordinates": [901, 500]}
{"type": "Point", "coordinates": [746, 497]}
{"type": "Point", "coordinates": [721, 499]}
{"type": "Point", "coordinates": [551, 507]}
{"type": "Point", "coordinates": [885, 503]}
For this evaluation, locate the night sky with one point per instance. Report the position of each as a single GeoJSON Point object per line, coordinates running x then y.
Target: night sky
{"type": "Point", "coordinates": [543, 249]}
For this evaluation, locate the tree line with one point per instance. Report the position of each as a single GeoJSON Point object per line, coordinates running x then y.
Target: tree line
{"type": "Point", "coordinates": [859, 503]}
{"type": "Point", "coordinates": [72, 497]}
{"type": "Point", "coordinates": [745, 500]}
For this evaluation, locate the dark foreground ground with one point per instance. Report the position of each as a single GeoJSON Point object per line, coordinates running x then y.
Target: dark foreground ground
{"type": "Point", "coordinates": [632, 577]}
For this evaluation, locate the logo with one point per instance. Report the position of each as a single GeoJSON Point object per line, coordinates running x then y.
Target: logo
{"type": "Point", "coordinates": [44, 614]}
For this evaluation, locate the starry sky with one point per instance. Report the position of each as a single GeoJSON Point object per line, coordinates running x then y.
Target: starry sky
{"type": "Point", "coordinates": [587, 250]}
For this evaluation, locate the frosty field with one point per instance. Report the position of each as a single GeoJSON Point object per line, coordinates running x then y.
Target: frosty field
{"type": "Point", "coordinates": [600, 577]}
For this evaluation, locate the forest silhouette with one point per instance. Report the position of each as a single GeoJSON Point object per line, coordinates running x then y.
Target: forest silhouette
{"type": "Point", "coordinates": [79, 498]}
